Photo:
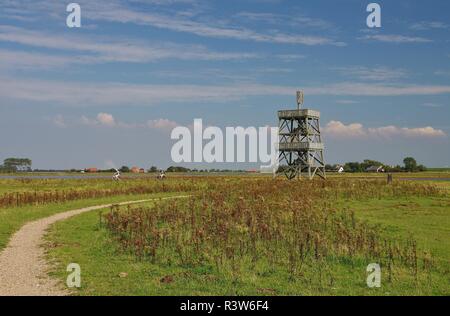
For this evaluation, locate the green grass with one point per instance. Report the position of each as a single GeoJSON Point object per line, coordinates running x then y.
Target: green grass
{"type": "Point", "coordinates": [23, 184]}
{"type": "Point", "coordinates": [439, 170]}
{"type": "Point", "coordinates": [82, 240]}
{"type": "Point", "coordinates": [90, 181]}
{"type": "Point", "coordinates": [425, 219]}
{"type": "Point", "coordinates": [397, 175]}
{"type": "Point", "coordinates": [11, 219]}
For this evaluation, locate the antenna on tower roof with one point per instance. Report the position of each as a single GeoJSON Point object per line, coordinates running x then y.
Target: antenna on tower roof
{"type": "Point", "coordinates": [300, 98]}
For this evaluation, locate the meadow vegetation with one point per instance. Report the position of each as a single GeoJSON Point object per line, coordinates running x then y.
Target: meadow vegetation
{"type": "Point", "coordinates": [242, 235]}
{"type": "Point", "coordinates": [258, 236]}
{"type": "Point", "coordinates": [45, 191]}
{"type": "Point", "coordinates": [23, 200]}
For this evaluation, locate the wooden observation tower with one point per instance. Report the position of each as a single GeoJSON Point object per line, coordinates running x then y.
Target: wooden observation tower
{"type": "Point", "coordinates": [300, 143]}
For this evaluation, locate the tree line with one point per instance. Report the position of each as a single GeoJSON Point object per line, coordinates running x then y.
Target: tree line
{"type": "Point", "coordinates": [409, 165]}
{"type": "Point", "coordinates": [181, 169]}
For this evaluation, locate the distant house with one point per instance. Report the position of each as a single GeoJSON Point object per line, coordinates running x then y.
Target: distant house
{"type": "Point", "coordinates": [376, 169]}
{"type": "Point", "coordinates": [339, 169]}
{"type": "Point", "coordinates": [137, 170]}
{"type": "Point", "coordinates": [92, 170]}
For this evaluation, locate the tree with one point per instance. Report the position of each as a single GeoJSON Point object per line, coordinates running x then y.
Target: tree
{"type": "Point", "coordinates": [352, 167]}
{"type": "Point", "coordinates": [153, 169]}
{"type": "Point", "coordinates": [421, 168]}
{"type": "Point", "coordinates": [369, 163]}
{"type": "Point", "coordinates": [410, 164]}
{"type": "Point", "coordinates": [177, 169]}
{"type": "Point", "coordinates": [124, 169]}
{"type": "Point", "coordinates": [329, 167]}
{"type": "Point", "coordinates": [16, 164]}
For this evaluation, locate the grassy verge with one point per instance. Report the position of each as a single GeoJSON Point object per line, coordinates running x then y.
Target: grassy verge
{"type": "Point", "coordinates": [106, 270]}
{"type": "Point", "coordinates": [13, 218]}
{"type": "Point", "coordinates": [425, 219]}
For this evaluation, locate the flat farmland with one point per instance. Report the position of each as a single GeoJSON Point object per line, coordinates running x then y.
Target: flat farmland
{"type": "Point", "coordinates": [242, 234]}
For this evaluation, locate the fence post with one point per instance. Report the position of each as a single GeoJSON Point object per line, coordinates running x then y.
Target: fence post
{"type": "Point", "coordinates": [389, 178]}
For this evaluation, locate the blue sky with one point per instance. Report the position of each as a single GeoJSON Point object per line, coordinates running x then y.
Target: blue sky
{"type": "Point", "coordinates": [109, 93]}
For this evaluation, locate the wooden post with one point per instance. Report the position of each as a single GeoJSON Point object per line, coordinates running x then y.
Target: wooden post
{"type": "Point", "coordinates": [389, 178]}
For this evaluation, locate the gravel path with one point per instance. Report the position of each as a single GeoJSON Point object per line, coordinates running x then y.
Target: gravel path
{"type": "Point", "coordinates": [23, 269]}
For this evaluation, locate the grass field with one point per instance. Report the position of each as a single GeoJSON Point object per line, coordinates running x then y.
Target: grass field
{"type": "Point", "coordinates": [242, 235]}
{"type": "Point", "coordinates": [84, 183]}
{"type": "Point", "coordinates": [409, 218]}
{"type": "Point", "coordinates": [11, 219]}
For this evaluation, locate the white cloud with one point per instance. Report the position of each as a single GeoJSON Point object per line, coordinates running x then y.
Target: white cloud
{"type": "Point", "coordinates": [338, 130]}
{"type": "Point", "coordinates": [442, 72]}
{"type": "Point", "coordinates": [432, 105]}
{"type": "Point", "coordinates": [424, 131]}
{"type": "Point", "coordinates": [293, 19]}
{"type": "Point", "coordinates": [102, 119]}
{"type": "Point", "coordinates": [162, 124]}
{"type": "Point", "coordinates": [428, 25]}
{"type": "Point", "coordinates": [121, 12]}
{"type": "Point", "coordinates": [380, 73]}
{"type": "Point", "coordinates": [290, 57]}
{"type": "Point", "coordinates": [347, 102]}
{"type": "Point", "coordinates": [167, 2]}
{"type": "Point", "coordinates": [206, 74]}
{"type": "Point", "coordinates": [101, 50]}
{"type": "Point", "coordinates": [88, 121]}
{"type": "Point", "coordinates": [392, 38]}
{"type": "Point", "coordinates": [106, 119]}
{"type": "Point", "coordinates": [366, 89]}
{"type": "Point", "coordinates": [270, 18]}
{"type": "Point", "coordinates": [274, 70]}
{"type": "Point", "coordinates": [13, 59]}
{"type": "Point", "coordinates": [59, 121]}
{"type": "Point", "coordinates": [392, 131]}
{"type": "Point", "coordinates": [83, 94]}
